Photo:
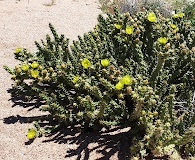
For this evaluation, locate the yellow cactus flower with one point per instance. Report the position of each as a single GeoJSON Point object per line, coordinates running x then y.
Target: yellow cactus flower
{"type": "Point", "coordinates": [179, 15]}
{"type": "Point", "coordinates": [162, 40]}
{"type": "Point", "coordinates": [126, 80]}
{"type": "Point", "coordinates": [75, 79]}
{"type": "Point", "coordinates": [25, 67]}
{"type": "Point", "coordinates": [34, 73]}
{"type": "Point", "coordinates": [118, 26]}
{"type": "Point", "coordinates": [86, 63]}
{"type": "Point", "coordinates": [18, 50]}
{"type": "Point", "coordinates": [173, 26]}
{"type": "Point", "coordinates": [31, 134]}
{"type": "Point", "coordinates": [129, 30]}
{"type": "Point", "coordinates": [175, 16]}
{"type": "Point", "coordinates": [119, 85]}
{"type": "Point", "coordinates": [152, 17]}
{"type": "Point", "coordinates": [35, 65]}
{"type": "Point", "coordinates": [105, 62]}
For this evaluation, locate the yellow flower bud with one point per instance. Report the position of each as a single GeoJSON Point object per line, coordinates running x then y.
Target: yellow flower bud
{"type": "Point", "coordinates": [79, 114]}
{"type": "Point", "coordinates": [104, 71]}
{"type": "Point", "coordinates": [151, 116]}
{"type": "Point", "coordinates": [135, 158]}
{"type": "Point", "coordinates": [44, 71]}
{"type": "Point", "coordinates": [143, 112]}
{"type": "Point", "coordinates": [40, 67]}
{"type": "Point", "coordinates": [147, 137]}
{"type": "Point", "coordinates": [63, 66]}
{"type": "Point", "coordinates": [46, 78]}
{"type": "Point", "coordinates": [167, 124]}
{"type": "Point", "coordinates": [145, 82]}
{"type": "Point", "coordinates": [129, 90]}
{"type": "Point", "coordinates": [155, 113]}
{"type": "Point", "coordinates": [18, 70]}
{"type": "Point", "coordinates": [112, 68]}
{"type": "Point", "coordinates": [118, 72]}
{"type": "Point", "coordinates": [111, 77]}
{"type": "Point", "coordinates": [120, 96]}
{"type": "Point", "coordinates": [134, 96]}
{"type": "Point", "coordinates": [40, 79]}
{"type": "Point", "coordinates": [153, 101]}
{"type": "Point", "coordinates": [51, 69]}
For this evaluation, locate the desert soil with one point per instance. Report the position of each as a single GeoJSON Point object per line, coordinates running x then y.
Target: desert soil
{"type": "Point", "coordinates": [21, 23]}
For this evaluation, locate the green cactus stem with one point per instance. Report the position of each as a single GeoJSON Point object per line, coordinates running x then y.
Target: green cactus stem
{"type": "Point", "coordinates": [137, 111]}
{"type": "Point", "coordinates": [102, 105]}
{"type": "Point", "coordinates": [156, 71]}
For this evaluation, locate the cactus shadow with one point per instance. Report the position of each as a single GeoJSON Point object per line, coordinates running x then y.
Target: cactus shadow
{"type": "Point", "coordinates": [105, 143]}
{"type": "Point", "coordinates": [22, 100]}
{"type": "Point", "coordinates": [23, 119]}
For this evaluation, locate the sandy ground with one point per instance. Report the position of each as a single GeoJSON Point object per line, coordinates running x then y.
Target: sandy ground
{"type": "Point", "coordinates": [21, 23]}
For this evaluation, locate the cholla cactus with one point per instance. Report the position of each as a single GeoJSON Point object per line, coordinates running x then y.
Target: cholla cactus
{"type": "Point", "coordinates": [128, 69]}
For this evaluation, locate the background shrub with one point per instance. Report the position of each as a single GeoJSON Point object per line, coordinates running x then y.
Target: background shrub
{"type": "Point", "coordinates": [134, 6]}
